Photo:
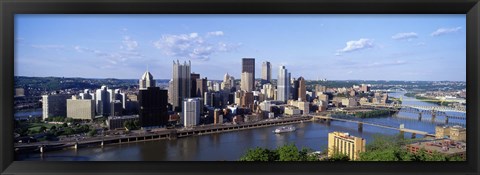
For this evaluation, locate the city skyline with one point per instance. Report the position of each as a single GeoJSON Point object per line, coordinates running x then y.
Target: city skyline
{"type": "Point", "coordinates": [335, 47]}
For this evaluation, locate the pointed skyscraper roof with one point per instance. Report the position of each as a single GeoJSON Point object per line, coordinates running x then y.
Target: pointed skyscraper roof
{"type": "Point", "coordinates": [147, 76]}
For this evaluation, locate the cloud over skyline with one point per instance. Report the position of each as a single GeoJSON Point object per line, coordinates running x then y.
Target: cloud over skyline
{"type": "Point", "coordinates": [405, 36]}
{"type": "Point", "coordinates": [192, 45]}
{"type": "Point", "coordinates": [356, 45]}
{"type": "Point", "coordinates": [443, 31]}
{"type": "Point", "coordinates": [121, 46]}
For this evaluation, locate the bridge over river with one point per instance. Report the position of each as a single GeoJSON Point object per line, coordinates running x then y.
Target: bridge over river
{"type": "Point", "coordinates": [401, 129]}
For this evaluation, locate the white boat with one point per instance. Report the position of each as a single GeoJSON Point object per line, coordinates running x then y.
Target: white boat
{"type": "Point", "coordinates": [285, 129]}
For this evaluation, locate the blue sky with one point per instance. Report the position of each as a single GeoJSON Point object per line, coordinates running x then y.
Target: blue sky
{"type": "Point", "coordinates": [335, 47]}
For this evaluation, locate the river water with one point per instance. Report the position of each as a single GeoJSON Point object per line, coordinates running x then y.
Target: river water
{"type": "Point", "coordinates": [232, 145]}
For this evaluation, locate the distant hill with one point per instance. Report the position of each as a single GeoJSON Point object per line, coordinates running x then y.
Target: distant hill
{"type": "Point", "coordinates": [60, 83]}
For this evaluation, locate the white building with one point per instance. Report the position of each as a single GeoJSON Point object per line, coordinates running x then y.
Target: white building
{"type": "Point", "coordinates": [191, 111]}
{"type": "Point", "coordinates": [246, 83]}
{"type": "Point", "coordinates": [283, 84]}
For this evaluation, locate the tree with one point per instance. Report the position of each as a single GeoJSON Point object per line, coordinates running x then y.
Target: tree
{"type": "Point", "coordinates": [69, 120]}
{"type": "Point", "coordinates": [68, 131]}
{"type": "Point", "coordinates": [338, 157]}
{"type": "Point", "coordinates": [136, 123]}
{"type": "Point", "coordinates": [92, 132]}
{"type": "Point", "coordinates": [53, 127]}
{"type": "Point", "coordinates": [289, 152]}
{"type": "Point", "coordinates": [42, 129]}
{"type": "Point", "coordinates": [128, 125]}
{"type": "Point", "coordinates": [64, 125]}
{"type": "Point", "coordinates": [259, 154]}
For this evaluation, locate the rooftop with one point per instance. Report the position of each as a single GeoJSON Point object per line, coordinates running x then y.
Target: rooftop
{"type": "Point", "coordinates": [445, 146]}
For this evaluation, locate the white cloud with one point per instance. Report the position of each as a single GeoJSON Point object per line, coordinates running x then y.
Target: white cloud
{"type": "Point", "coordinates": [215, 33]}
{"type": "Point", "coordinates": [353, 45]}
{"type": "Point", "coordinates": [128, 51]}
{"type": "Point", "coordinates": [128, 43]}
{"type": "Point", "coordinates": [405, 36]}
{"type": "Point", "coordinates": [442, 31]}
{"type": "Point", "coordinates": [192, 45]}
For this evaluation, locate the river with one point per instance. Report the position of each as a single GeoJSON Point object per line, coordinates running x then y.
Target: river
{"type": "Point", "coordinates": [232, 145]}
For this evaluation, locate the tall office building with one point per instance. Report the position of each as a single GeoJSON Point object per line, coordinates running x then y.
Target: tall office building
{"type": "Point", "coordinates": [81, 108]}
{"type": "Point", "coordinates": [191, 112]}
{"type": "Point", "coordinates": [102, 101]}
{"type": "Point", "coordinates": [193, 84]}
{"type": "Point", "coordinates": [344, 143]}
{"type": "Point", "coordinates": [146, 81]}
{"type": "Point", "coordinates": [283, 84]}
{"type": "Point", "coordinates": [246, 83]}
{"type": "Point", "coordinates": [86, 95]}
{"type": "Point", "coordinates": [170, 91]}
{"type": "Point", "coordinates": [120, 96]}
{"type": "Point", "coordinates": [266, 72]}
{"type": "Point", "coordinates": [294, 89]}
{"type": "Point", "coordinates": [302, 96]}
{"type": "Point", "coordinates": [269, 91]}
{"type": "Point", "coordinates": [248, 65]}
{"type": "Point", "coordinates": [54, 105]}
{"type": "Point", "coordinates": [181, 84]}
{"type": "Point", "coordinates": [201, 85]}
{"type": "Point", "coordinates": [217, 116]}
{"type": "Point", "coordinates": [228, 82]}
{"type": "Point", "coordinates": [153, 107]}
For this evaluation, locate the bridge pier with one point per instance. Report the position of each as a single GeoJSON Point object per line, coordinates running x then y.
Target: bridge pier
{"type": "Point", "coordinates": [446, 120]}
{"type": "Point", "coordinates": [414, 135]}
{"type": "Point", "coordinates": [420, 116]}
{"type": "Point", "coordinates": [434, 115]}
{"type": "Point", "coordinates": [172, 135]}
{"type": "Point", "coordinates": [76, 145]}
{"type": "Point", "coordinates": [402, 132]}
{"type": "Point", "coordinates": [360, 127]}
{"type": "Point", "coordinates": [327, 121]}
{"type": "Point", "coordinates": [42, 149]}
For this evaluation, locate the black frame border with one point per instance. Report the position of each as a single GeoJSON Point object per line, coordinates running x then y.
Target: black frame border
{"type": "Point", "coordinates": [8, 8]}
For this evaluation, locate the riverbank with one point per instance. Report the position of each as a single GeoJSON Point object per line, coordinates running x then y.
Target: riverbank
{"type": "Point", "coordinates": [149, 136]}
{"type": "Point", "coordinates": [428, 100]}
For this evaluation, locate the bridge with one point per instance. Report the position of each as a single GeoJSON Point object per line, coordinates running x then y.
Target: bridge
{"type": "Point", "coordinates": [395, 89]}
{"type": "Point", "coordinates": [328, 118]}
{"type": "Point", "coordinates": [430, 108]}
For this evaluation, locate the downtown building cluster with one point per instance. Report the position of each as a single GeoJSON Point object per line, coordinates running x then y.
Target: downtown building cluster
{"type": "Point", "coordinates": [191, 100]}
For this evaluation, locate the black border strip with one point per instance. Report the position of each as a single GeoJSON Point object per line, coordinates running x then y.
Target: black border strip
{"type": "Point", "coordinates": [10, 7]}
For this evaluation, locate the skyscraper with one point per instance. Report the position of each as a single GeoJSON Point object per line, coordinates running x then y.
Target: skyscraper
{"type": "Point", "coordinates": [181, 84]}
{"type": "Point", "coordinates": [201, 87]}
{"type": "Point", "coordinates": [153, 107]}
{"type": "Point", "coordinates": [248, 65]}
{"type": "Point", "coordinates": [266, 72]}
{"type": "Point", "coordinates": [283, 84]}
{"type": "Point", "coordinates": [302, 96]}
{"type": "Point", "coordinates": [191, 112]}
{"type": "Point", "coordinates": [81, 108]}
{"type": "Point", "coordinates": [246, 83]}
{"type": "Point", "coordinates": [54, 105]}
{"type": "Point", "coordinates": [102, 100]}
{"type": "Point", "coordinates": [294, 90]}
{"type": "Point", "coordinates": [146, 81]}
{"type": "Point", "coordinates": [193, 84]}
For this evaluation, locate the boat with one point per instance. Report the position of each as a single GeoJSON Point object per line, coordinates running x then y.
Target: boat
{"type": "Point", "coordinates": [285, 129]}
